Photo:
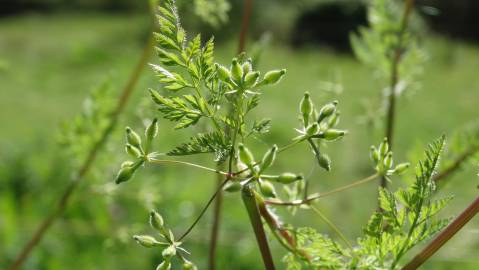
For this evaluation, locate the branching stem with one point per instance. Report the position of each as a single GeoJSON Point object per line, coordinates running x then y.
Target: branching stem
{"type": "Point", "coordinates": [165, 161]}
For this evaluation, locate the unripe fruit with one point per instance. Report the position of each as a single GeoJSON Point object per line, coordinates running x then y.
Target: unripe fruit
{"type": "Point", "coordinates": [152, 130]}
{"type": "Point", "coordinates": [223, 73]}
{"type": "Point", "coordinates": [251, 79]}
{"type": "Point", "coordinates": [245, 155]}
{"type": "Point", "coordinates": [333, 134]}
{"type": "Point", "coordinates": [165, 265]}
{"type": "Point", "coordinates": [374, 154]}
{"type": "Point", "coordinates": [312, 129]}
{"type": "Point", "coordinates": [267, 189]}
{"type": "Point", "coordinates": [274, 76]}
{"type": "Point", "coordinates": [401, 168]}
{"type": "Point", "coordinates": [146, 241]}
{"type": "Point", "coordinates": [125, 174]}
{"type": "Point", "coordinates": [132, 137]}
{"type": "Point", "coordinates": [232, 187]}
{"type": "Point", "coordinates": [132, 151]}
{"type": "Point", "coordinates": [334, 119]}
{"type": "Point", "coordinates": [306, 107]}
{"type": "Point", "coordinates": [268, 159]}
{"type": "Point", "coordinates": [156, 221]}
{"type": "Point", "coordinates": [246, 67]}
{"type": "Point", "coordinates": [388, 160]}
{"type": "Point", "coordinates": [383, 148]}
{"type": "Point", "coordinates": [327, 110]}
{"type": "Point", "coordinates": [324, 161]}
{"type": "Point", "coordinates": [169, 252]}
{"type": "Point", "coordinates": [287, 178]}
{"type": "Point", "coordinates": [189, 266]}
{"type": "Point", "coordinates": [236, 71]}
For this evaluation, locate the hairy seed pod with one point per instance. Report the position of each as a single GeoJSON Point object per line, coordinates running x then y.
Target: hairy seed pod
{"type": "Point", "coordinates": [223, 73]}
{"type": "Point", "coordinates": [169, 252]}
{"type": "Point", "coordinates": [274, 76]}
{"type": "Point", "coordinates": [388, 160]}
{"type": "Point", "coordinates": [187, 265]}
{"type": "Point", "coordinates": [324, 161]}
{"type": "Point", "coordinates": [383, 148]}
{"type": "Point", "coordinates": [401, 168]}
{"type": "Point", "coordinates": [312, 129]}
{"type": "Point", "coordinates": [333, 134]}
{"type": "Point", "coordinates": [236, 71]}
{"type": "Point", "coordinates": [132, 137]}
{"type": "Point", "coordinates": [132, 151]}
{"type": "Point", "coordinates": [374, 154]}
{"type": "Point", "coordinates": [247, 67]}
{"type": "Point", "coordinates": [287, 178]}
{"type": "Point", "coordinates": [156, 221]}
{"type": "Point", "coordinates": [245, 155]}
{"type": "Point", "coordinates": [152, 130]}
{"type": "Point", "coordinates": [267, 189]}
{"type": "Point", "coordinates": [306, 108]}
{"type": "Point", "coordinates": [146, 240]}
{"type": "Point", "coordinates": [232, 187]}
{"type": "Point", "coordinates": [165, 265]}
{"type": "Point", "coordinates": [251, 79]}
{"type": "Point", "coordinates": [327, 110]}
{"type": "Point", "coordinates": [125, 174]}
{"type": "Point", "coordinates": [268, 158]}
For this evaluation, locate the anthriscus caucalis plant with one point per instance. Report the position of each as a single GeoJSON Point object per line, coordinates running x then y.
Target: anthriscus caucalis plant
{"type": "Point", "coordinates": [196, 89]}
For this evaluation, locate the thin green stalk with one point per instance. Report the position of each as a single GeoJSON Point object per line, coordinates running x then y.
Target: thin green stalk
{"type": "Point", "coordinates": [332, 226]}
{"type": "Point", "coordinates": [165, 161]}
{"type": "Point", "coordinates": [87, 164]}
{"type": "Point", "coordinates": [251, 206]}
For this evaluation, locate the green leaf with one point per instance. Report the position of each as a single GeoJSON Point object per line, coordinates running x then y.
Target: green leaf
{"type": "Point", "coordinates": [214, 142]}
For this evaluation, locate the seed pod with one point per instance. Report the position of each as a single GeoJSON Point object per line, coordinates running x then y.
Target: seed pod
{"type": "Point", "coordinates": [132, 151]}
{"type": "Point", "coordinates": [274, 76]}
{"type": "Point", "coordinates": [251, 79]}
{"type": "Point", "coordinates": [169, 252]}
{"type": "Point", "coordinates": [126, 173]}
{"type": "Point", "coordinates": [232, 187]}
{"type": "Point", "coordinates": [388, 160]}
{"type": "Point", "coordinates": [374, 154]}
{"type": "Point", "coordinates": [223, 73]}
{"type": "Point", "coordinates": [247, 67]}
{"type": "Point", "coordinates": [312, 129]}
{"type": "Point", "coordinates": [245, 155]}
{"type": "Point", "coordinates": [324, 161]}
{"type": "Point", "coordinates": [156, 221]}
{"type": "Point", "coordinates": [267, 189]}
{"type": "Point", "coordinates": [334, 119]}
{"type": "Point", "coordinates": [401, 168]}
{"type": "Point", "coordinates": [133, 138]}
{"type": "Point", "coordinates": [268, 159]}
{"type": "Point", "coordinates": [165, 265]}
{"type": "Point", "coordinates": [306, 107]}
{"type": "Point", "coordinates": [287, 178]}
{"type": "Point", "coordinates": [187, 265]}
{"type": "Point", "coordinates": [236, 71]}
{"type": "Point", "coordinates": [327, 110]}
{"type": "Point", "coordinates": [333, 134]}
{"type": "Point", "coordinates": [146, 241]}
{"type": "Point", "coordinates": [127, 164]}
{"type": "Point", "coordinates": [383, 148]}
{"type": "Point", "coordinates": [152, 130]}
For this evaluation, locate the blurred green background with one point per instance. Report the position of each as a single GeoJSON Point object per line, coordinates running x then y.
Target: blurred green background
{"type": "Point", "coordinates": [53, 53]}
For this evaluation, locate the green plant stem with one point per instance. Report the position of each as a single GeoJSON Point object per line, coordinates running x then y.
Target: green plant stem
{"type": "Point", "coordinates": [317, 196]}
{"type": "Point", "coordinates": [332, 226]}
{"type": "Point", "coordinates": [89, 161]}
{"type": "Point", "coordinates": [444, 236]}
{"type": "Point", "coordinates": [456, 164]}
{"type": "Point", "coordinates": [251, 206]}
{"type": "Point", "coordinates": [165, 161]}
{"type": "Point", "coordinates": [218, 190]}
{"type": "Point", "coordinates": [394, 79]}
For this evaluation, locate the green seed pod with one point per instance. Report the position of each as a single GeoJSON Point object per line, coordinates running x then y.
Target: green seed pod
{"type": "Point", "coordinates": [324, 161]}
{"type": "Point", "coordinates": [152, 130]}
{"type": "Point", "coordinates": [251, 79]}
{"type": "Point", "coordinates": [268, 159]}
{"type": "Point", "coordinates": [232, 187]}
{"type": "Point", "coordinates": [127, 164]}
{"type": "Point", "coordinates": [223, 73]}
{"type": "Point", "coordinates": [333, 134]}
{"type": "Point", "coordinates": [288, 178]}
{"type": "Point", "coordinates": [247, 67]}
{"type": "Point", "coordinates": [245, 155]}
{"type": "Point", "coordinates": [125, 174]}
{"type": "Point", "coordinates": [327, 110]}
{"type": "Point", "coordinates": [306, 108]}
{"type": "Point", "coordinates": [133, 138]}
{"type": "Point", "coordinates": [169, 252]}
{"type": "Point", "coordinates": [146, 241]}
{"type": "Point", "coordinates": [312, 129]}
{"type": "Point", "coordinates": [374, 154]}
{"type": "Point", "coordinates": [267, 189]}
{"type": "Point", "coordinates": [236, 71]}
{"type": "Point", "coordinates": [187, 265]}
{"type": "Point", "coordinates": [165, 265]}
{"type": "Point", "coordinates": [383, 148]}
{"type": "Point", "coordinates": [274, 76]}
{"type": "Point", "coordinates": [401, 168]}
{"type": "Point", "coordinates": [132, 151]}
{"type": "Point", "coordinates": [334, 119]}
{"type": "Point", "coordinates": [156, 221]}
{"type": "Point", "coordinates": [388, 160]}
